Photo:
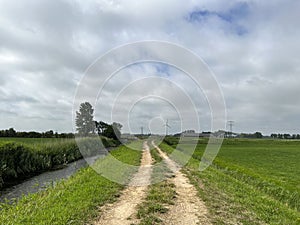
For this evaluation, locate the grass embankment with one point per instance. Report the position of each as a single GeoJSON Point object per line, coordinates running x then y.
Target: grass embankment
{"type": "Point", "coordinates": [160, 194]}
{"type": "Point", "coordinates": [72, 201]}
{"type": "Point", "coordinates": [25, 157]}
{"type": "Point", "coordinates": [250, 181]}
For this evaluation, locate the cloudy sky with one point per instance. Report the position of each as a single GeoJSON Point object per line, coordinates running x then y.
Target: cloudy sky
{"type": "Point", "coordinates": [252, 48]}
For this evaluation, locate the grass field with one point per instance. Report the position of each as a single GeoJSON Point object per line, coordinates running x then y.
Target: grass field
{"type": "Point", "coordinates": [31, 140]}
{"type": "Point", "coordinates": [250, 181]}
{"type": "Point", "coordinates": [72, 201]}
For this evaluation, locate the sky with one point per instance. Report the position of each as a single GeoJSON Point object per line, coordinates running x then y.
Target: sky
{"type": "Point", "coordinates": [251, 47]}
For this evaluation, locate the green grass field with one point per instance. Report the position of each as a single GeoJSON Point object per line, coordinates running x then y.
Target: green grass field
{"type": "Point", "coordinates": [250, 182]}
{"type": "Point", "coordinates": [31, 140]}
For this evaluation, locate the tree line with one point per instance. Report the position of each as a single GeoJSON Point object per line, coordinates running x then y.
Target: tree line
{"type": "Point", "coordinates": [285, 136]}
{"type": "Point", "coordinates": [11, 132]}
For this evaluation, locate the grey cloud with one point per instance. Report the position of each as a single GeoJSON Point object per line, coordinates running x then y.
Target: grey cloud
{"type": "Point", "coordinates": [51, 43]}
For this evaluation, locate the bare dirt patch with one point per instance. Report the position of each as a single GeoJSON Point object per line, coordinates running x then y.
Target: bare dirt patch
{"type": "Point", "coordinates": [188, 208]}
{"type": "Point", "coordinates": [123, 211]}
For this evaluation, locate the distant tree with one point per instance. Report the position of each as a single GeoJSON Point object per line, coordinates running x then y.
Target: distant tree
{"type": "Point", "coordinates": [11, 132]}
{"type": "Point", "coordinates": [101, 127]}
{"type": "Point", "coordinates": [298, 136]}
{"type": "Point", "coordinates": [33, 134]}
{"type": "Point", "coordinates": [113, 131]}
{"type": "Point", "coordinates": [273, 135]}
{"type": "Point", "coordinates": [48, 134]}
{"type": "Point", "coordinates": [258, 135]}
{"type": "Point", "coordinates": [84, 119]}
{"type": "Point", "coordinates": [287, 136]}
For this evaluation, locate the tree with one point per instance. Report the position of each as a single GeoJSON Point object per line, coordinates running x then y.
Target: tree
{"type": "Point", "coordinates": [113, 131]}
{"type": "Point", "coordinates": [11, 132]}
{"type": "Point", "coordinates": [84, 119]}
{"type": "Point", "coordinates": [117, 129]}
{"type": "Point", "coordinates": [273, 135]}
{"type": "Point", "coordinates": [258, 135]}
{"type": "Point", "coordinates": [49, 134]}
{"type": "Point", "coordinates": [101, 127]}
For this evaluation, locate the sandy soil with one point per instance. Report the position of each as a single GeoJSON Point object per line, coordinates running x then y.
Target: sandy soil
{"type": "Point", "coordinates": [188, 207]}
{"type": "Point", "coordinates": [123, 211]}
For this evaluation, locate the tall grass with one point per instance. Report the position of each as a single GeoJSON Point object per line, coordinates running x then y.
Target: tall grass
{"type": "Point", "coordinates": [18, 160]}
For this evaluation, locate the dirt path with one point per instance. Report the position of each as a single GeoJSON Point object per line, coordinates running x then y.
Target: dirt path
{"type": "Point", "coordinates": [188, 207]}
{"type": "Point", "coordinates": [123, 211]}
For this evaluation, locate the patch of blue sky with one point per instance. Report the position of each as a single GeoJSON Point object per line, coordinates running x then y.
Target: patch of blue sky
{"type": "Point", "coordinates": [159, 69]}
{"type": "Point", "coordinates": [238, 11]}
{"type": "Point", "coordinates": [232, 16]}
{"type": "Point", "coordinates": [162, 69]}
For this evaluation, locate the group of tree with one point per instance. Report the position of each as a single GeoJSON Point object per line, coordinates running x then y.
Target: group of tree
{"type": "Point", "coordinates": [285, 136]}
{"type": "Point", "coordinates": [86, 125]}
{"type": "Point", "coordinates": [254, 135]}
{"type": "Point", "coordinates": [33, 134]}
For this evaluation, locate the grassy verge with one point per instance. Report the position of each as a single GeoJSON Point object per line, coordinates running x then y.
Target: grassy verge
{"type": "Point", "coordinates": [72, 201]}
{"type": "Point", "coordinates": [160, 195]}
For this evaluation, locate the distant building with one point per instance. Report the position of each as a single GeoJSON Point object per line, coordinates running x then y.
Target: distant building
{"type": "Point", "coordinates": [189, 133]}
{"type": "Point", "coordinates": [192, 133]}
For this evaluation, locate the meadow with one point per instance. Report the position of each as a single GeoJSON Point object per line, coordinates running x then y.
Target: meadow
{"type": "Point", "coordinates": [251, 181]}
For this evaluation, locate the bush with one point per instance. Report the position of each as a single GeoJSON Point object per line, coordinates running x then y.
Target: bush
{"type": "Point", "coordinates": [170, 140]}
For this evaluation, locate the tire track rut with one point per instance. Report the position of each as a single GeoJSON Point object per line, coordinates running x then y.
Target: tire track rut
{"type": "Point", "coordinates": [123, 211]}
{"type": "Point", "coordinates": [188, 208]}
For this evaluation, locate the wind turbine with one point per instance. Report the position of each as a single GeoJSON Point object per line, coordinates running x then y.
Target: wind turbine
{"type": "Point", "coordinates": [167, 127]}
{"type": "Point", "coordinates": [230, 123]}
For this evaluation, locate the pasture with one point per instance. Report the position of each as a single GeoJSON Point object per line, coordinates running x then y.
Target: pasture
{"type": "Point", "coordinates": [250, 181]}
